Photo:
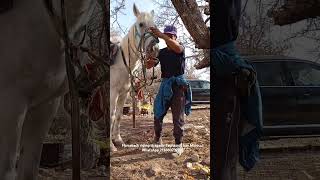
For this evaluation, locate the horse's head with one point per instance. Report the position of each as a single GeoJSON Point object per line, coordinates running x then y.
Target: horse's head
{"type": "Point", "coordinates": [148, 41]}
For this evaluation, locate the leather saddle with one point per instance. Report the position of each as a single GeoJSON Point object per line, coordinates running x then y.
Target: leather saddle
{"type": "Point", "coordinates": [5, 5]}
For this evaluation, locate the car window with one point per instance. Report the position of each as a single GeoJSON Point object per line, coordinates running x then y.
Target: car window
{"type": "Point", "coordinates": [195, 84]}
{"type": "Point", "coordinates": [304, 74]}
{"type": "Point", "coordinates": [270, 73]}
{"type": "Point", "coordinates": [205, 85]}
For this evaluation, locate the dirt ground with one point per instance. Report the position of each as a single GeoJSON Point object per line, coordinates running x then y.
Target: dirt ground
{"type": "Point", "coordinates": [283, 159]}
{"type": "Point", "coordinates": [133, 163]}
{"type": "Point", "coordinates": [285, 166]}
{"type": "Point", "coordinates": [286, 159]}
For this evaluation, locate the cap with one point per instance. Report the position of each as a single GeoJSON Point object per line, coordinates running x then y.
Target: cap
{"type": "Point", "coordinates": [170, 30]}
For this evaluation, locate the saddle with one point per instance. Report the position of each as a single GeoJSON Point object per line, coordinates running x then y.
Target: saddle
{"type": "Point", "coordinates": [114, 48]}
{"type": "Point", "coordinates": [5, 5]}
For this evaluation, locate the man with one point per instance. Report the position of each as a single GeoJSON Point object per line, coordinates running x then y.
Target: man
{"type": "Point", "coordinates": [174, 91]}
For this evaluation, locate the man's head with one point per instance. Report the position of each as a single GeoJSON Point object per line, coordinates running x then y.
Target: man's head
{"type": "Point", "coordinates": [170, 31]}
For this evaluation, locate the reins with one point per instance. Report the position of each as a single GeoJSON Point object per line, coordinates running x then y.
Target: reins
{"type": "Point", "coordinates": [141, 54]}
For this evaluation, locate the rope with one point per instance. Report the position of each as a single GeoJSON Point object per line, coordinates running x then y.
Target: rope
{"type": "Point", "coordinates": [230, 129]}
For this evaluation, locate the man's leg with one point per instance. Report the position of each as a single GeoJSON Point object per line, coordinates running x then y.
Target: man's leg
{"type": "Point", "coordinates": [158, 127]}
{"type": "Point", "coordinates": [178, 110]}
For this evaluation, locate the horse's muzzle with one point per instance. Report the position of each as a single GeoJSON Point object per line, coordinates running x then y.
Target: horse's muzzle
{"type": "Point", "coordinates": [153, 51]}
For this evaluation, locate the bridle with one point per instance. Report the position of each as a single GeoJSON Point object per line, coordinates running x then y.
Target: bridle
{"type": "Point", "coordinates": [141, 53]}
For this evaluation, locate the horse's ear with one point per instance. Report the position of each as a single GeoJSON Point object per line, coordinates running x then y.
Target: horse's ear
{"type": "Point", "coordinates": [152, 13]}
{"type": "Point", "coordinates": [136, 10]}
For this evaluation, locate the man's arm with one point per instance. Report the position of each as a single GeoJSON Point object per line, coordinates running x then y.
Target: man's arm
{"type": "Point", "coordinates": [173, 44]}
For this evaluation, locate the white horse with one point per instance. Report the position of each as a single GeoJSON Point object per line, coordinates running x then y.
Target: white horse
{"type": "Point", "coordinates": [32, 79]}
{"type": "Point", "coordinates": [119, 73]}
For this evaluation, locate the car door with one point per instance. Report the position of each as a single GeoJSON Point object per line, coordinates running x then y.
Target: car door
{"type": "Point", "coordinates": [204, 91]}
{"type": "Point", "coordinates": [195, 88]}
{"type": "Point", "coordinates": [306, 78]}
{"type": "Point", "coordinates": [278, 101]}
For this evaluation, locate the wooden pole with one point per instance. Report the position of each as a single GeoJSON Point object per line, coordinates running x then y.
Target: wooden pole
{"type": "Point", "coordinates": [74, 121]}
{"type": "Point", "coordinates": [134, 105]}
{"type": "Point", "coordinates": [75, 108]}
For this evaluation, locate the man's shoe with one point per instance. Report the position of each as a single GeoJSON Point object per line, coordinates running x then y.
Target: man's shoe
{"type": "Point", "coordinates": [157, 140]}
{"type": "Point", "coordinates": [179, 150]}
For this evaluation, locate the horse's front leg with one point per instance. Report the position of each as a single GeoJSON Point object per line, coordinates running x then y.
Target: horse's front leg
{"type": "Point", "coordinates": [35, 128]}
{"type": "Point", "coordinates": [116, 131]}
{"type": "Point", "coordinates": [113, 100]}
{"type": "Point", "coordinates": [13, 109]}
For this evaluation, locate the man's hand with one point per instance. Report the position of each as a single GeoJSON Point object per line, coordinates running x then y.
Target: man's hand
{"type": "Point", "coordinates": [155, 31]}
{"type": "Point", "coordinates": [173, 44]}
{"type": "Point", "coordinates": [150, 63]}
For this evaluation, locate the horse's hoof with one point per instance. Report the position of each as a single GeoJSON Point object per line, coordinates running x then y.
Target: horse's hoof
{"type": "Point", "coordinates": [113, 148]}
{"type": "Point", "coordinates": [118, 143]}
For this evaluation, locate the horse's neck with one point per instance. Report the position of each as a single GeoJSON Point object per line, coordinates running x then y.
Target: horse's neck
{"type": "Point", "coordinates": [129, 45]}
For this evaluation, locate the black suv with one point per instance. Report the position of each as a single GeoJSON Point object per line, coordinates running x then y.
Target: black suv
{"type": "Point", "coordinates": [290, 90]}
{"type": "Point", "coordinates": [200, 91]}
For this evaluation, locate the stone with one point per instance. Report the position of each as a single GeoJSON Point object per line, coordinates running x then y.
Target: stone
{"type": "Point", "coordinates": [103, 170]}
{"type": "Point", "coordinates": [199, 127]}
{"type": "Point", "coordinates": [189, 165]}
{"type": "Point", "coordinates": [194, 158]}
{"type": "Point", "coordinates": [45, 172]}
{"type": "Point", "coordinates": [154, 170]}
{"type": "Point", "coordinates": [68, 171]}
{"type": "Point", "coordinates": [206, 161]}
{"type": "Point", "coordinates": [188, 127]}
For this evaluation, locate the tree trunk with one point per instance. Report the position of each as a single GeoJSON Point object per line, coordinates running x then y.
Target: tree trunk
{"type": "Point", "coordinates": [294, 11]}
{"type": "Point", "coordinates": [191, 16]}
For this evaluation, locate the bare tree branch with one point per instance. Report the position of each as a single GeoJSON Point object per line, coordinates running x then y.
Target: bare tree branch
{"type": "Point", "coordinates": [189, 13]}
{"type": "Point", "coordinates": [293, 11]}
{"type": "Point", "coordinates": [254, 36]}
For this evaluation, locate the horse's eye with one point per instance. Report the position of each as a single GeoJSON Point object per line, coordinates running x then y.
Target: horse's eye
{"type": "Point", "coordinates": [141, 24]}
